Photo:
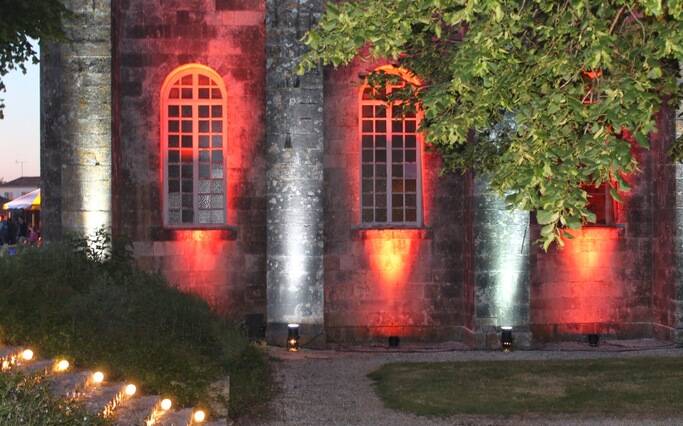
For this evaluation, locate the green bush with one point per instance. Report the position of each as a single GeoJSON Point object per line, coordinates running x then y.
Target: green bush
{"type": "Point", "coordinates": [101, 311]}
{"type": "Point", "coordinates": [27, 401]}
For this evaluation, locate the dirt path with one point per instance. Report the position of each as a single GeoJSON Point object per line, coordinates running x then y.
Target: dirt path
{"type": "Point", "coordinates": [332, 388]}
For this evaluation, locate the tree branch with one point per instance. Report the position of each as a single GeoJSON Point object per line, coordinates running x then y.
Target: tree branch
{"type": "Point", "coordinates": [616, 19]}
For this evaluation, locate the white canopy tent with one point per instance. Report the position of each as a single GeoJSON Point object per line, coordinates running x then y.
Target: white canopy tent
{"type": "Point", "coordinates": [30, 201]}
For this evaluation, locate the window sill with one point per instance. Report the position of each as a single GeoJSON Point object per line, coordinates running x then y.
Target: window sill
{"type": "Point", "coordinates": [225, 233]}
{"type": "Point", "coordinates": [369, 232]}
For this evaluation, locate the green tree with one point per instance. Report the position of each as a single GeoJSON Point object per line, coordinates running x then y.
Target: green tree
{"type": "Point", "coordinates": [21, 21]}
{"type": "Point", "coordinates": [555, 92]}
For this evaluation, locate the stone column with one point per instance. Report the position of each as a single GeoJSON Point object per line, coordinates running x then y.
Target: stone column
{"type": "Point", "coordinates": [76, 123]}
{"type": "Point", "coordinates": [677, 296]}
{"type": "Point", "coordinates": [501, 268]}
{"type": "Point", "coordinates": [294, 133]}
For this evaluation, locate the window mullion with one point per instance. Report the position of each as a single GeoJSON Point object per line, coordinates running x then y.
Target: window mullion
{"type": "Point", "coordinates": [164, 157]}
{"type": "Point", "coordinates": [195, 149]}
{"type": "Point", "coordinates": [390, 145]}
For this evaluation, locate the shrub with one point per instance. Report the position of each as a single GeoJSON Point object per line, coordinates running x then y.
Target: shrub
{"type": "Point", "coordinates": [26, 400]}
{"type": "Point", "coordinates": [66, 299]}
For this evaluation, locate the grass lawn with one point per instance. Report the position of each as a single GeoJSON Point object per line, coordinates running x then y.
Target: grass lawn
{"type": "Point", "coordinates": [614, 387]}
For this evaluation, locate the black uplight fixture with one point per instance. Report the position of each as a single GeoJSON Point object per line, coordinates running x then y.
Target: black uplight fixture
{"type": "Point", "coordinates": [293, 337]}
{"type": "Point", "coordinates": [506, 338]}
{"type": "Point", "coordinates": [394, 341]}
{"type": "Point", "coordinates": [593, 340]}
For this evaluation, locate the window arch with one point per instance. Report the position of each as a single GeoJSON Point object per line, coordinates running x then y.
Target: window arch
{"type": "Point", "coordinates": [193, 148]}
{"type": "Point", "coordinates": [391, 157]}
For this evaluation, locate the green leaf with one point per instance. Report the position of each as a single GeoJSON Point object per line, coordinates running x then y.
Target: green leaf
{"type": "Point", "coordinates": [544, 218]}
{"type": "Point", "coordinates": [574, 223]}
{"type": "Point", "coordinates": [615, 195]}
{"type": "Point", "coordinates": [654, 73]}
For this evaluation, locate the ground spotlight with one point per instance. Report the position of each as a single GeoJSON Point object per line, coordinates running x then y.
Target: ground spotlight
{"type": "Point", "coordinates": [394, 341]}
{"type": "Point", "coordinates": [292, 337]}
{"type": "Point", "coordinates": [593, 340]}
{"type": "Point", "coordinates": [27, 355]}
{"type": "Point", "coordinates": [506, 338]}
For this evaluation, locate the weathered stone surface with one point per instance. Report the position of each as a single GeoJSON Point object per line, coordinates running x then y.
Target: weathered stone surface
{"type": "Point", "coordinates": [501, 244]}
{"type": "Point", "coordinates": [382, 282]}
{"type": "Point", "coordinates": [226, 267]}
{"type": "Point", "coordinates": [219, 397]}
{"type": "Point", "coordinates": [294, 113]}
{"type": "Point", "coordinates": [76, 157]}
{"type": "Point", "coordinates": [294, 250]}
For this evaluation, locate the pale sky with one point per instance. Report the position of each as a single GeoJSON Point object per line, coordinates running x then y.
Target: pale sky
{"type": "Point", "coordinates": [20, 130]}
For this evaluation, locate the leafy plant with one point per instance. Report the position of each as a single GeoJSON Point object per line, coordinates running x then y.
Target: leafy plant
{"type": "Point", "coordinates": [26, 400]}
{"type": "Point", "coordinates": [21, 21]}
{"type": "Point", "coordinates": [95, 306]}
{"type": "Point", "coordinates": [579, 80]}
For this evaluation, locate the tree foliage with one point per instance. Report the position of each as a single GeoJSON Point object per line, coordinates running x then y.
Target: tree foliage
{"type": "Point", "coordinates": [21, 21]}
{"type": "Point", "coordinates": [556, 93]}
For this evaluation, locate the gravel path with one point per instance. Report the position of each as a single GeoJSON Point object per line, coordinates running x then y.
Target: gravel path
{"type": "Point", "coordinates": [331, 387]}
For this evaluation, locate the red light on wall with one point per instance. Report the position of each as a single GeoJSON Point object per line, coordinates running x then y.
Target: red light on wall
{"type": "Point", "coordinates": [581, 281]}
{"type": "Point", "coordinates": [391, 253]}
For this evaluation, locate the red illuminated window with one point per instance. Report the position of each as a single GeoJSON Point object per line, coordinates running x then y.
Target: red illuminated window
{"type": "Point", "coordinates": [391, 178]}
{"type": "Point", "coordinates": [193, 147]}
{"type": "Point", "coordinates": [601, 203]}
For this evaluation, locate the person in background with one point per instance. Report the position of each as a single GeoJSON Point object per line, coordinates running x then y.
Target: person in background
{"type": "Point", "coordinates": [22, 232]}
{"type": "Point", "coordinates": [12, 231]}
{"type": "Point", "coordinates": [3, 231]}
{"type": "Point", "coordinates": [33, 236]}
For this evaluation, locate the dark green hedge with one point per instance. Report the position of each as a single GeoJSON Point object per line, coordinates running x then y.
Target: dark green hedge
{"type": "Point", "coordinates": [103, 312]}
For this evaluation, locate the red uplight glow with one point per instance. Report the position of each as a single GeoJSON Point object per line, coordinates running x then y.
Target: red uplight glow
{"type": "Point", "coordinates": [391, 254]}
{"type": "Point", "coordinates": [581, 284]}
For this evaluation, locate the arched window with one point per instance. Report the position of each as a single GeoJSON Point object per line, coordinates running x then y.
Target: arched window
{"type": "Point", "coordinates": [193, 147]}
{"type": "Point", "coordinates": [391, 151]}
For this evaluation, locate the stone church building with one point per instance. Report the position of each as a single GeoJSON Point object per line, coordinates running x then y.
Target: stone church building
{"type": "Point", "coordinates": [181, 124]}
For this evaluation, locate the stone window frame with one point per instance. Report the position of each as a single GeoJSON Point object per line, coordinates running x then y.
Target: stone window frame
{"type": "Point", "coordinates": [194, 70]}
{"type": "Point", "coordinates": [409, 78]}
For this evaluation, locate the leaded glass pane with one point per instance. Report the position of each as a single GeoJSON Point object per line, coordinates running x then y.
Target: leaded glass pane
{"type": "Point", "coordinates": [217, 201]}
{"type": "Point", "coordinates": [204, 202]}
{"type": "Point", "coordinates": [217, 171]}
{"type": "Point", "coordinates": [204, 217]}
{"type": "Point", "coordinates": [217, 186]}
{"type": "Point", "coordinates": [174, 200]}
{"type": "Point", "coordinates": [174, 217]}
{"type": "Point", "coordinates": [217, 216]}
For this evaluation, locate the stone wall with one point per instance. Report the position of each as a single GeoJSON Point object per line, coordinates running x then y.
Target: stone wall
{"type": "Point", "coordinates": [501, 267]}
{"type": "Point", "coordinates": [226, 267]}
{"type": "Point", "coordinates": [295, 175]}
{"type": "Point", "coordinates": [601, 281]}
{"type": "Point", "coordinates": [76, 123]}
{"type": "Point", "coordinates": [382, 282]}
{"type": "Point", "coordinates": [668, 204]}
